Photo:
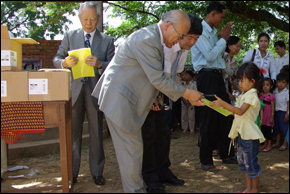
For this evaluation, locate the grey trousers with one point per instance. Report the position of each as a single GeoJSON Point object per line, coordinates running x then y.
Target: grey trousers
{"type": "Point", "coordinates": [188, 117]}
{"type": "Point", "coordinates": [129, 152]}
{"type": "Point", "coordinates": [84, 105]}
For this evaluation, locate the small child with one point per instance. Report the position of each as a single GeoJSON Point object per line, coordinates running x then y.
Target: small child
{"type": "Point", "coordinates": [268, 120]}
{"type": "Point", "coordinates": [187, 110]}
{"type": "Point", "coordinates": [281, 118]}
{"type": "Point", "coordinates": [236, 92]}
{"type": "Point", "coordinates": [248, 134]}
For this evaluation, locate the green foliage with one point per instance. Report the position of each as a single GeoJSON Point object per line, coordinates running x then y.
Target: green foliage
{"type": "Point", "coordinates": [246, 25]}
{"type": "Point", "coordinates": [35, 19]}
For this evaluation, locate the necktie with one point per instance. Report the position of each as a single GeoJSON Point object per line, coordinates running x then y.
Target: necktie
{"type": "Point", "coordinates": [174, 72]}
{"type": "Point", "coordinates": [87, 45]}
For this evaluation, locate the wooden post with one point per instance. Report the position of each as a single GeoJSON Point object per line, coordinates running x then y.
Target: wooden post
{"type": "Point", "coordinates": [100, 23]}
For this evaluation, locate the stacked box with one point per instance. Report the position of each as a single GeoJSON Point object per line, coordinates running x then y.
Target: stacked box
{"type": "Point", "coordinates": [14, 87]}
{"type": "Point", "coordinates": [11, 50]}
{"type": "Point", "coordinates": [49, 85]}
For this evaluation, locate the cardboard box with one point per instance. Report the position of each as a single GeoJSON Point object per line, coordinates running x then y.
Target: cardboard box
{"type": "Point", "coordinates": [49, 85]}
{"type": "Point", "coordinates": [11, 60]}
{"type": "Point", "coordinates": [14, 86]}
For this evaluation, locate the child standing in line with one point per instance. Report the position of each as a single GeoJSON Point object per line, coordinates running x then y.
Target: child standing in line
{"type": "Point", "coordinates": [187, 110]}
{"type": "Point", "coordinates": [268, 120]}
{"type": "Point", "coordinates": [281, 119]}
{"type": "Point", "coordinates": [248, 134]}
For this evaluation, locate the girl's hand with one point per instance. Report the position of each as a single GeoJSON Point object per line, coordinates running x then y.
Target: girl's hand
{"type": "Point", "coordinates": [286, 118]}
{"type": "Point", "coordinates": [217, 103]}
{"type": "Point", "coordinates": [261, 122]}
{"type": "Point", "coordinates": [271, 120]}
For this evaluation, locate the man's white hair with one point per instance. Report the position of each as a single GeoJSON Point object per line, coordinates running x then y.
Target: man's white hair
{"type": "Point", "coordinates": [90, 4]}
{"type": "Point", "coordinates": [174, 16]}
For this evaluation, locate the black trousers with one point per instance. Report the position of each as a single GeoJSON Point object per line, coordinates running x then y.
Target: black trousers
{"type": "Point", "coordinates": [214, 127]}
{"type": "Point", "coordinates": [156, 140]}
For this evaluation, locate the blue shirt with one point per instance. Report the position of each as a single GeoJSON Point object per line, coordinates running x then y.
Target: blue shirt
{"type": "Point", "coordinates": [208, 50]}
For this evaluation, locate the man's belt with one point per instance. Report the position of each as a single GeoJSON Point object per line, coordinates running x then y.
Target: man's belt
{"type": "Point", "coordinates": [212, 70]}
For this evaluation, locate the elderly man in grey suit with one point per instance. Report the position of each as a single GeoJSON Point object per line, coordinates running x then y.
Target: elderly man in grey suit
{"type": "Point", "coordinates": [129, 86]}
{"type": "Point", "coordinates": [102, 49]}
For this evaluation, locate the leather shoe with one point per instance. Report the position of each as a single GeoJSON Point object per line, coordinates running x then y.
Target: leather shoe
{"type": "Point", "coordinates": [99, 180]}
{"type": "Point", "coordinates": [175, 181]}
{"type": "Point", "coordinates": [173, 137]}
{"type": "Point", "coordinates": [155, 187]}
{"type": "Point", "coordinates": [232, 160]}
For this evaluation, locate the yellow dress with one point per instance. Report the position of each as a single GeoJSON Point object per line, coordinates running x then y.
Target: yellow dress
{"type": "Point", "coordinates": [245, 125]}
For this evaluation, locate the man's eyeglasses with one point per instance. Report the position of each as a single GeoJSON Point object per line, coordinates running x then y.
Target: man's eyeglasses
{"type": "Point", "coordinates": [179, 37]}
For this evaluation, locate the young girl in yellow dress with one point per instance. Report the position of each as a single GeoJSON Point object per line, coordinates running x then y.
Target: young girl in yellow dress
{"type": "Point", "coordinates": [248, 134]}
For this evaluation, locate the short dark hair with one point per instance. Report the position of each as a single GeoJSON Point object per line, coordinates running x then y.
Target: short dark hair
{"type": "Point", "coordinates": [189, 72]}
{"type": "Point", "coordinates": [196, 26]}
{"type": "Point", "coordinates": [263, 34]}
{"type": "Point", "coordinates": [232, 40]}
{"type": "Point", "coordinates": [215, 6]}
{"type": "Point", "coordinates": [280, 44]}
{"type": "Point", "coordinates": [285, 69]}
{"type": "Point", "coordinates": [251, 71]}
{"type": "Point", "coordinates": [283, 76]}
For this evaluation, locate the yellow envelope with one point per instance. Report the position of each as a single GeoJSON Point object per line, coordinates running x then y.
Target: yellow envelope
{"type": "Point", "coordinates": [221, 110]}
{"type": "Point", "coordinates": [81, 69]}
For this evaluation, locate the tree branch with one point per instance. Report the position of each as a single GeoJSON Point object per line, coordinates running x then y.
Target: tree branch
{"type": "Point", "coordinates": [18, 24]}
{"type": "Point", "coordinates": [284, 10]}
{"type": "Point", "coordinates": [261, 15]}
{"type": "Point", "coordinates": [128, 32]}
{"type": "Point", "coordinates": [132, 10]}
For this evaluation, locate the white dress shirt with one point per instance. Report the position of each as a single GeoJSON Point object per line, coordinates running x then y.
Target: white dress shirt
{"type": "Point", "coordinates": [170, 55]}
{"type": "Point", "coordinates": [281, 99]}
{"type": "Point", "coordinates": [91, 38]}
{"type": "Point", "coordinates": [280, 62]}
{"type": "Point", "coordinates": [160, 32]}
{"type": "Point", "coordinates": [266, 63]}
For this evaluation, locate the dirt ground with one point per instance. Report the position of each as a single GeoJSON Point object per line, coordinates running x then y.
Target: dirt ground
{"type": "Point", "coordinates": [274, 177]}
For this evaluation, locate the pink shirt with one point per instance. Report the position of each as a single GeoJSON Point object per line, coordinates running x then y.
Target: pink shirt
{"type": "Point", "coordinates": [268, 109]}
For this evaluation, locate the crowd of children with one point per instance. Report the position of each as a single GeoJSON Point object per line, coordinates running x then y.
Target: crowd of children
{"type": "Point", "coordinates": [261, 109]}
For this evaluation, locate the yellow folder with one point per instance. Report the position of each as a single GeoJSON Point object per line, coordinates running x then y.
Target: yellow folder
{"type": "Point", "coordinates": [81, 69]}
{"type": "Point", "coordinates": [221, 110]}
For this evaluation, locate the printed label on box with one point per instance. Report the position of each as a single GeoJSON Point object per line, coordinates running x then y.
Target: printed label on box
{"type": "Point", "coordinates": [3, 88]}
{"type": "Point", "coordinates": [37, 86]}
{"type": "Point", "coordinates": [8, 58]}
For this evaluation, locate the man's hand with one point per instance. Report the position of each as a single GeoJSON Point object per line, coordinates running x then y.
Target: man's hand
{"type": "Point", "coordinates": [194, 97]}
{"type": "Point", "coordinates": [70, 61]}
{"type": "Point", "coordinates": [93, 61]}
{"type": "Point", "coordinates": [155, 106]}
{"type": "Point", "coordinates": [226, 31]}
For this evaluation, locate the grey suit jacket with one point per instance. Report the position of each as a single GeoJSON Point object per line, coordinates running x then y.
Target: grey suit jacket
{"type": "Point", "coordinates": [130, 84]}
{"type": "Point", "coordinates": [102, 47]}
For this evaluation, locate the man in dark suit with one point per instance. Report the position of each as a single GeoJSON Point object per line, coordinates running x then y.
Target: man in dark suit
{"type": "Point", "coordinates": [102, 49]}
